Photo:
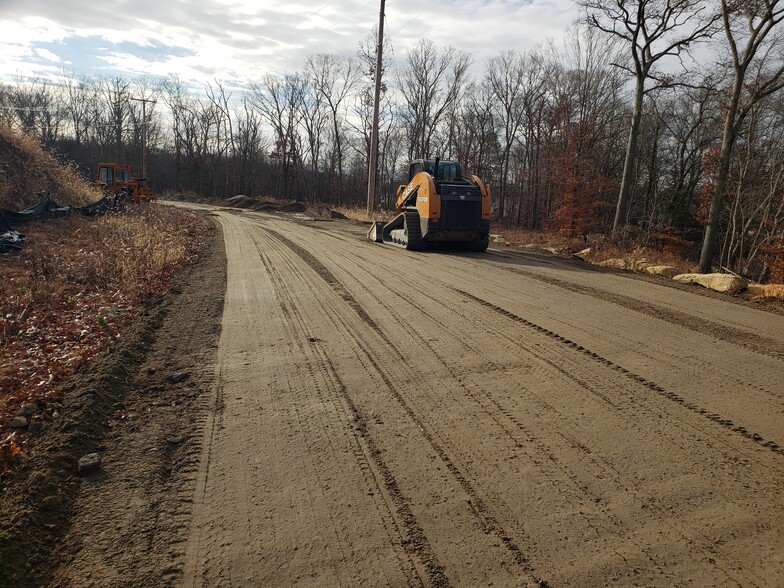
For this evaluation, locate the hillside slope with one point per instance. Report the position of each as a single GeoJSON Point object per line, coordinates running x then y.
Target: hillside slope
{"type": "Point", "coordinates": [26, 169]}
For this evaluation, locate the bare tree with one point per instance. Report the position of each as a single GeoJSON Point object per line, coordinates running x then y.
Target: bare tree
{"type": "Point", "coordinates": [224, 140]}
{"type": "Point", "coordinates": [475, 133]}
{"type": "Point", "coordinates": [314, 117]}
{"type": "Point", "coordinates": [81, 96]}
{"type": "Point", "coordinates": [688, 123]}
{"type": "Point", "coordinates": [758, 181]}
{"type": "Point", "coordinates": [250, 143]}
{"type": "Point", "coordinates": [653, 30]}
{"type": "Point", "coordinates": [114, 94]}
{"type": "Point", "coordinates": [38, 106]}
{"type": "Point", "coordinates": [334, 78]}
{"type": "Point", "coordinates": [754, 36]}
{"type": "Point", "coordinates": [430, 86]}
{"type": "Point", "coordinates": [278, 100]}
{"type": "Point", "coordinates": [517, 81]}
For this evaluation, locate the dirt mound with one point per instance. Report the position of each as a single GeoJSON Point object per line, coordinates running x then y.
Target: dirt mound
{"type": "Point", "coordinates": [293, 207]}
{"type": "Point", "coordinates": [265, 206]}
{"type": "Point", "coordinates": [248, 203]}
{"type": "Point", "coordinates": [189, 197]}
{"type": "Point", "coordinates": [325, 213]}
{"type": "Point", "coordinates": [26, 170]}
{"type": "Point", "coordinates": [241, 201]}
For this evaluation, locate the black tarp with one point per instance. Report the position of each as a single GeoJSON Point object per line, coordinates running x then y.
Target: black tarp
{"type": "Point", "coordinates": [11, 240]}
{"type": "Point", "coordinates": [108, 202]}
{"type": "Point", "coordinates": [46, 208]}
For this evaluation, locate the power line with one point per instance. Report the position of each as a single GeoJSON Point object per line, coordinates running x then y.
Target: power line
{"type": "Point", "coordinates": [312, 14]}
{"type": "Point", "coordinates": [392, 47]}
{"type": "Point", "coordinates": [409, 21]}
{"type": "Point", "coordinates": [352, 14]}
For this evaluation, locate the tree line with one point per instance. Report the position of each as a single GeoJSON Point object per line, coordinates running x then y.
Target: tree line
{"type": "Point", "coordinates": [616, 130]}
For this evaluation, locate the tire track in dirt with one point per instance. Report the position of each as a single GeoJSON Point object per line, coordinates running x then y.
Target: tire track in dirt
{"type": "Point", "coordinates": [751, 341]}
{"type": "Point", "coordinates": [718, 375]}
{"type": "Point", "coordinates": [596, 387]}
{"type": "Point", "coordinates": [283, 484]}
{"type": "Point", "coordinates": [624, 404]}
{"type": "Point", "coordinates": [735, 337]}
{"type": "Point", "coordinates": [480, 508]}
{"type": "Point", "coordinates": [716, 418]}
{"type": "Point", "coordinates": [529, 439]}
{"type": "Point", "coordinates": [415, 287]}
{"type": "Point", "coordinates": [412, 537]}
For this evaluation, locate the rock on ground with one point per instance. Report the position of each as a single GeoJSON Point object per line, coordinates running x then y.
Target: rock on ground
{"type": "Point", "coordinates": [88, 463]}
{"type": "Point", "coordinates": [718, 282]}
{"type": "Point", "coordinates": [614, 263]}
{"type": "Point", "coordinates": [755, 291]}
{"type": "Point", "coordinates": [662, 270]}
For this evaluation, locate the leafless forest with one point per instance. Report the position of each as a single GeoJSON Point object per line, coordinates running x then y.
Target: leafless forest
{"type": "Point", "coordinates": [661, 119]}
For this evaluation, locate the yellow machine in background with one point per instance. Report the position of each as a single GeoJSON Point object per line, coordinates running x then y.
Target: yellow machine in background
{"type": "Point", "coordinates": [118, 177]}
{"type": "Point", "coordinates": [439, 205]}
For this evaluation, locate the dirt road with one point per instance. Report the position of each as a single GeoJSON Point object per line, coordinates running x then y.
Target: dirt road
{"type": "Point", "coordinates": [384, 417]}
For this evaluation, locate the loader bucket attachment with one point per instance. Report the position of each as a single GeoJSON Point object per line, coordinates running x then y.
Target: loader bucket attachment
{"type": "Point", "coordinates": [375, 232]}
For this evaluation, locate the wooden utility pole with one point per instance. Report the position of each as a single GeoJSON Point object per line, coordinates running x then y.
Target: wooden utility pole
{"type": "Point", "coordinates": [373, 163]}
{"type": "Point", "coordinates": [144, 102]}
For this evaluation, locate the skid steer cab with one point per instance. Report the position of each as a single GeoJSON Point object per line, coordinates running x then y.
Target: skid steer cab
{"type": "Point", "coordinates": [438, 206]}
{"type": "Point", "coordinates": [118, 177]}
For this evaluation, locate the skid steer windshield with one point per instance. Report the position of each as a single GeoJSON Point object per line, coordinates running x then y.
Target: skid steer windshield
{"type": "Point", "coordinates": [448, 171]}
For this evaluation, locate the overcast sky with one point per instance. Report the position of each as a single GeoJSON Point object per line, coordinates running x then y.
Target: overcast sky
{"type": "Point", "coordinates": [240, 40]}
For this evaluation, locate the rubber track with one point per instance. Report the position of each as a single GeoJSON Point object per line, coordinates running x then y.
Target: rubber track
{"type": "Point", "coordinates": [413, 231]}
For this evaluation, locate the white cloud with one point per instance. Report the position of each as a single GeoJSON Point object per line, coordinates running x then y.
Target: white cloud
{"type": "Point", "coordinates": [204, 39]}
{"type": "Point", "coordinates": [47, 55]}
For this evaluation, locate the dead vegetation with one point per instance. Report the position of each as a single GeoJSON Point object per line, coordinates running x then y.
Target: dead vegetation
{"type": "Point", "coordinates": [633, 250]}
{"type": "Point", "coordinates": [26, 170]}
{"type": "Point", "coordinates": [77, 283]}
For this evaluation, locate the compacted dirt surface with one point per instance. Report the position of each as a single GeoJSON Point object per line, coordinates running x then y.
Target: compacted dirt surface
{"type": "Point", "coordinates": [364, 415]}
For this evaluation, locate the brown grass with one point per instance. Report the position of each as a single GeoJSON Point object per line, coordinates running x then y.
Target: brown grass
{"type": "Point", "coordinates": [26, 170]}
{"type": "Point", "coordinates": [601, 247]}
{"type": "Point", "coordinates": [359, 213]}
{"type": "Point", "coordinates": [73, 288]}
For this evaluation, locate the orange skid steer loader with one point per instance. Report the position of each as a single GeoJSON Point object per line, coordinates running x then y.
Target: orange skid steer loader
{"type": "Point", "coordinates": [118, 177]}
{"type": "Point", "coordinates": [438, 206]}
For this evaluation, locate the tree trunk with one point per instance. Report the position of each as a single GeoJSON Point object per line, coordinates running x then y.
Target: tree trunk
{"type": "Point", "coordinates": [727, 142]}
{"type": "Point", "coordinates": [622, 210]}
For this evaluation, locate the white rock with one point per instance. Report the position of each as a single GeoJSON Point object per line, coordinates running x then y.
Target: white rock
{"type": "Point", "coordinates": [718, 282]}
{"type": "Point", "coordinates": [641, 264]}
{"type": "Point", "coordinates": [613, 262]}
{"type": "Point", "coordinates": [662, 270]}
